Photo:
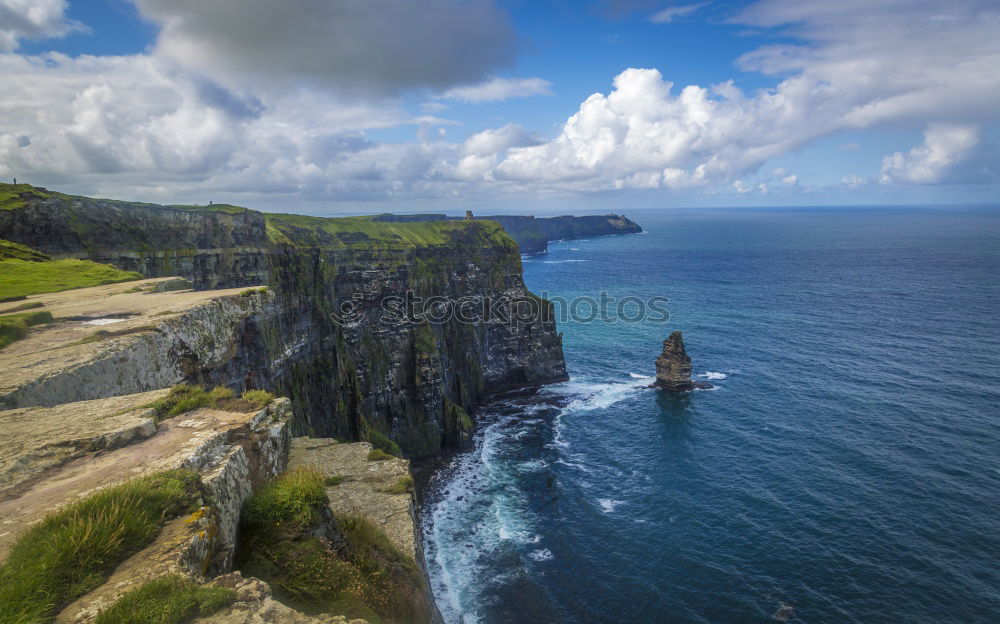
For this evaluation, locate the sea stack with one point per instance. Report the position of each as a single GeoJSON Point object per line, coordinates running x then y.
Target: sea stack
{"type": "Point", "coordinates": [673, 367]}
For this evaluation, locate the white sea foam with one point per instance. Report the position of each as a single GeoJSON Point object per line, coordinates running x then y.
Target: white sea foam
{"type": "Point", "coordinates": [601, 396]}
{"type": "Point", "coordinates": [537, 465]}
{"type": "Point", "coordinates": [609, 505]}
{"type": "Point", "coordinates": [542, 554]}
{"type": "Point", "coordinates": [714, 376]}
{"type": "Point", "coordinates": [638, 376]}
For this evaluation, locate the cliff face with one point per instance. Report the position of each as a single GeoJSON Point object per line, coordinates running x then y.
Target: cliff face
{"type": "Point", "coordinates": [409, 382]}
{"type": "Point", "coordinates": [533, 234]}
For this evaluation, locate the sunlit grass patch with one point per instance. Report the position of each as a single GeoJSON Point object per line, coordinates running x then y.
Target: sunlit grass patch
{"type": "Point", "coordinates": [73, 550]}
{"type": "Point", "coordinates": [167, 600]}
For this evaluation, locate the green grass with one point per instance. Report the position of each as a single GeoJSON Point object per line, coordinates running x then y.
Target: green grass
{"type": "Point", "coordinates": [334, 481]}
{"type": "Point", "coordinates": [26, 306]}
{"type": "Point", "coordinates": [257, 399]}
{"type": "Point", "coordinates": [365, 577]}
{"type": "Point", "coordinates": [184, 398]}
{"type": "Point", "coordinates": [14, 327]}
{"type": "Point", "coordinates": [404, 485]}
{"type": "Point", "coordinates": [12, 196]}
{"type": "Point", "coordinates": [347, 232]}
{"type": "Point", "coordinates": [249, 292]}
{"type": "Point", "coordinates": [22, 277]}
{"type": "Point", "coordinates": [73, 551]}
{"type": "Point", "coordinates": [382, 442]}
{"type": "Point", "coordinates": [379, 455]}
{"type": "Point", "coordinates": [17, 251]}
{"type": "Point", "coordinates": [226, 208]}
{"type": "Point", "coordinates": [167, 600]}
{"type": "Point", "coordinates": [394, 586]}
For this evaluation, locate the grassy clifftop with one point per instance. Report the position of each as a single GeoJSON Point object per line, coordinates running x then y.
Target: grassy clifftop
{"type": "Point", "coordinates": [347, 232]}
{"type": "Point", "coordinates": [56, 223]}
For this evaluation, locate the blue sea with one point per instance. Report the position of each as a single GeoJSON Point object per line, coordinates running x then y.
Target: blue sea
{"type": "Point", "coordinates": [844, 468]}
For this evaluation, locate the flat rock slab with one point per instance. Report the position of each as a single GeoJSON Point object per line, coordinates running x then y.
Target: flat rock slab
{"type": "Point", "coordinates": [126, 311]}
{"type": "Point", "coordinates": [36, 439]}
{"type": "Point", "coordinates": [363, 488]}
{"type": "Point", "coordinates": [175, 442]}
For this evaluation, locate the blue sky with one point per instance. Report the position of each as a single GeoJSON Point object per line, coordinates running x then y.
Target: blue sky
{"type": "Point", "coordinates": [330, 107]}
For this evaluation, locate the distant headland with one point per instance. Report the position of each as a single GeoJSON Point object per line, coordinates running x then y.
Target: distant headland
{"type": "Point", "coordinates": [534, 233]}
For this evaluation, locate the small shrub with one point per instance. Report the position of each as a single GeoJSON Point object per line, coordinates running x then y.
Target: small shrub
{"type": "Point", "coordinates": [404, 485]}
{"type": "Point", "coordinates": [180, 399]}
{"type": "Point", "coordinates": [167, 600]}
{"type": "Point", "coordinates": [379, 455]}
{"type": "Point", "coordinates": [73, 550]}
{"type": "Point", "coordinates": [293, 499]}
{"type": "Point", "coordinates": [334, 481]}
{"type": "Point", "coordinates": [184, 398]}
{"type": "Point", "coordinates": [249, 292]}
{"type": "Point", "coordinates": [257, 399]}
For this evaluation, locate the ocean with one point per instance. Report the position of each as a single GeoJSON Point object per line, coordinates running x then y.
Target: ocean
{"type": "Point", "coordinates": [844, 468]}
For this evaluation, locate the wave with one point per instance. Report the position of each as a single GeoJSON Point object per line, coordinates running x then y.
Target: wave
{"type": "Point", "coordinates": [601, 396]}
{"type": "Point", "coordinates": [609, 505]}
{"type": "Point", "coordinates": [542, 554]}
{"type": "Point", "coordinates": [712, 375]}
{"type": "Point", "coordinates": [638, 376]}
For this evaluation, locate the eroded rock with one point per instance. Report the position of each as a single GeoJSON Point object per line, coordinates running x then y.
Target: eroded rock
{"type": "Point", "coordinates": [673, 367]}
{"type": "Point", "coordinates": [254, 605]}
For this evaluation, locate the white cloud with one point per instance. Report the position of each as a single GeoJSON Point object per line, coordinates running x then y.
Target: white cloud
{"type": "Point", "coordinates": [376, 46]}
{"type": "Point", "coordinates": [499, 140]}
{"type": "Point", "coordinates": [670, 14]}
{"type": "Point", "coordinates": [864, 64]}
{"type": "Point", "coordinates": [946, 148]}
{"type": "Point", "coordinates": [693, 138]}
{"type": "Point", "coordinates": [143, 127]}
{"type": "Point", "coordinates": [32, 19]}
{"type": "Point", "coordinates": [496, 89]}
{"type": "Point", "coordinates": [216, 107]}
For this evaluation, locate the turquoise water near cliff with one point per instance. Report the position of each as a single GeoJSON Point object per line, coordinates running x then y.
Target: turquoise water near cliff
{"type": "Point", "coordinates": [847, 462]}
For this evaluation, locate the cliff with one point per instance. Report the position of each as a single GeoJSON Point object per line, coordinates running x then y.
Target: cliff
{"type": "Point", "coordinates": [161, 476]}
{"type": "Point", "coordinates": [533, 234]}
{"type": "Point", "coordinates": [405, 386]}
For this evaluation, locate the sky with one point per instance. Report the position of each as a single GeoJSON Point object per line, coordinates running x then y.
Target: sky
{"type": "Point", "coordinates": [349, 106]}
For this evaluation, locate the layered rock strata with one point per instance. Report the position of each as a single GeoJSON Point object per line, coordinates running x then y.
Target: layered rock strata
{"type": "Point", "coordinates": [673, 367]}
{"type": "Point", "coordinates": [365, 377]}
